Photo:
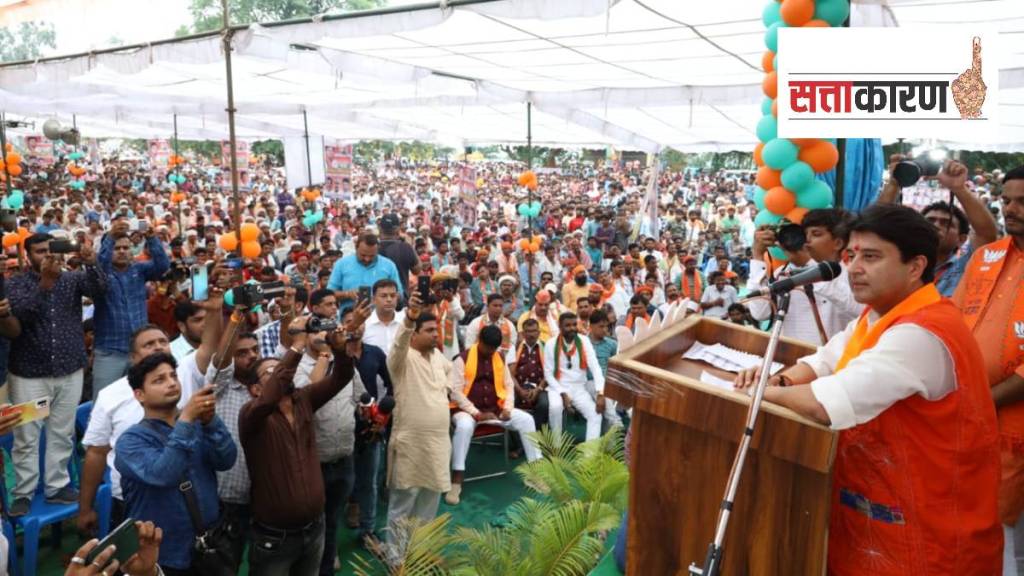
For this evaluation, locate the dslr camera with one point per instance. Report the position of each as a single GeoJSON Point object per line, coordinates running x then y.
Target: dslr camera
{"type": "Point", "coordinates": [251, 295]}
{"type": "Point", "coordinates": [317, 324]}
{"type": "Point", "coordinates": [789, 236]}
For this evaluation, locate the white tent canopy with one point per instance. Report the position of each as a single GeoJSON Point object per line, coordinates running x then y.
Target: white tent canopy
{"type": "Point", "coordinates": [634, 74]}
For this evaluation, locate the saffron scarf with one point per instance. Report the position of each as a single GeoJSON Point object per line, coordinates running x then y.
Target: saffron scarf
{"type": "Point", "coordinates": [446, 324]}
{"type": "Point", "coordinates": [497, 369]}
{"type": "Point", "coordinates": [562, 349]}
{"type": "Point", "coordinates": [864, 338]}
{"type": "Point", "coordinates": [630, 320]}
{"type": "Point", "coordinates": [698, 287]}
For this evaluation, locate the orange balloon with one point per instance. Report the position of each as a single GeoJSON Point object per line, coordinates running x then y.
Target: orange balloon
{"type": "Point", "coordinates": [251, 249]}
{"type": "Point", "coordinates": [801, 142]}
{"type": "Point", "coordinates": [757, 154]}
{"type": "Point", "coordinates": [768, 178]}
{"type": "Point", "coordinates": [250, 232]}
{"type": "Point", "coordinates": [23, 233]}
{"type": "Point", "coordinates": [817, 24]}
{"type": "Point", "coordinates": [524, 244]}
{"type": "Point", "coordinates": [822, 156]}
{"type": "Point", "coordinates": [14, 158]}
{"type": "Point", "coordinates": [766, 61]}
{"type": "Point", "coordinates": [11, 239]}
{"type": "Point", "coordinates": [775, 108]}
{"type": "Point", "coordinates": [796, 13]}
{"type": "Point", "coordinates": [2, 164]}
{"type": "Point", "coordinates": [14, 170]}
{"type": "Point", "coordinates": [780, 201]}
{"type": "Point", "coordinates": [228, 242]}
{"type": "Point", "coordinates": [796, 215]}
{"type": "Point", "coordinates": [770, 84]}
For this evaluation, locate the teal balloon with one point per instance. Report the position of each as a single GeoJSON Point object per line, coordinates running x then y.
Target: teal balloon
{"type": "Point", "coordinates": [308, 222]}
{"type": "Point", "coordinates": [767, 128]}
{"type": "Point", "coordinates": [759, 194]}
{"type": "Point", "coordinates": [771, 37]}
{"type": "Point", "coordinates": [76, 156]}
{"type": "Point", "coordinates": [4, 204]}
{"type": "Point", "coordinates": [779, 153]}
{"type": "Point", "coordinates": [15, 202]}
{"type": "Point", "coordinates": [766, 106]}
{"type": "Point", "coordinates": [778, 253]}
{"type": "Point", "coordinates": [229, 297]}
{"type": "Point", "coordinates": [772, 13]}
{"type": "Point", "coordinates": [797, 176]}
{"type": "Point", "coordinates": [766, 218]}
{"type": "Point", "coordinates": [524, 210]}
{"type": "Point", "coordinates": [817, 194]}
{"type": "Point", "coordinates": [834, 12]}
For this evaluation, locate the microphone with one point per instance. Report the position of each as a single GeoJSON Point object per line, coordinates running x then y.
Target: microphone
{"type": "Point", "coordinates": [823, 272]}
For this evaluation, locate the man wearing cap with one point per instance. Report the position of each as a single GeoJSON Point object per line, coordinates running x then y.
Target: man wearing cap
{"type": "Point", "coordinates": [541, 312]}
{"type": "Point", "coordinates": [399, 252]}
{"type": "Point", "coordinates": [514, 306]}
{"type": "Point", "coordinates": [573, 291]}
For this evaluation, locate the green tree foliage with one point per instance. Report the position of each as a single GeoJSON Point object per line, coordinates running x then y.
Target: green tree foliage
{"type": "Point", "coordinates": [206, 14]}
{"type": "Point", "coordinates": [26, 41]}
{"type": "Point", "coordinates": [272, 149]}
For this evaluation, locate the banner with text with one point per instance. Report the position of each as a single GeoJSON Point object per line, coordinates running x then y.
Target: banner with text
{"type": "Point", "coordinates": [338, 171]}
{"type": "Point", "coordinates": [914, 82]}
{"type": "Point", "coordinates": [40, 148]}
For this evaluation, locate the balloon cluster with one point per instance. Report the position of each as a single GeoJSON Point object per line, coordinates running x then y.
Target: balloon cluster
{"type": "Point", "coordinates": [531, 210]}
{"type": "Point", "coordinates": [77, 184]}
{"type": "Point", "coordinates": [76, 156]}
{"type": "Point", "coordinates": [528, 179]}
{"type": "Point", "coordinates": [311, 219]}
{"type": "Point", "coordinates": [786, 183]}
{"type": "Point", "coordinates": [310, 194]}
{"type": "Point", "coordinates": [527, 245]}
{"type": "Point", "coordinates": [11, 162]}
{"type": "Point", "coordinates": [14, 201]}
{"type": "Point", "coordinates": [250, 244]}
{"type": "Point", "coordinates": [16, 238]}
{"type": "Point", "coordinates": [177, 197]}
{"type": "Point", "coordinates": [178, 179]}
{"type": "Point", "coordinates": [76, 170]}
{"type": "Point", "coordinates": [174, 161]}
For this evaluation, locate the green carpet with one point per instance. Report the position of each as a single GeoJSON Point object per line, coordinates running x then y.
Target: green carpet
{"type": "Point", "coordinates": [483, 502]}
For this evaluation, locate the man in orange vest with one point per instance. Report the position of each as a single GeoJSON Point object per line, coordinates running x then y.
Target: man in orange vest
{"type": "Point", "coordinates": [484, 393]}
{"type": "Point", "coordinates": [916, 474]}
{"type": "Point", "coordinates": [991, 296]}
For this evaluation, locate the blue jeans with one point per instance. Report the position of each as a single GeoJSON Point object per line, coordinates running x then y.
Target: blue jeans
{"type": "Point", "coordinates": [107, 366]}
{"type": "Point", "coordinates": [286, 552]}
{"type": "Point", "coordinates": [367, 464]}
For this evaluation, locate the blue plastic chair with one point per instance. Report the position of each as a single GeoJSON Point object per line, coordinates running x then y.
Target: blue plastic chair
{"type": "Point", "coordinates": [41, 513]}
{"type": "Point", "coordinates": [103, 501]}
{"type": "Point", "coordinates": [12, 548]}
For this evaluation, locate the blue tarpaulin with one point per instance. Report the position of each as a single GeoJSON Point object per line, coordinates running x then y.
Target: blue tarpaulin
{"type": "Point", "coordinates": [864, 168]}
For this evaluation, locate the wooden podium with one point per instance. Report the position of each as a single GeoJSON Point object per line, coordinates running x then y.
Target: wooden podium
{"type": "Point", "coordinates": [685, 435]}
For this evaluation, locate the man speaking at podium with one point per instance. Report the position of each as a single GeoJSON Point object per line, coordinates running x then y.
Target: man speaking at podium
{"type": "Point", "coordinates": [916, 475]}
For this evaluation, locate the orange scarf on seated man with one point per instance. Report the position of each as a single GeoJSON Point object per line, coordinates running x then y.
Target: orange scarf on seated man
{"type": "Point", "coordinates": [497, 369]}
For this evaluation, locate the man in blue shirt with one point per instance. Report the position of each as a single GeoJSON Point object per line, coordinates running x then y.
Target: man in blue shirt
{"type": "Point", "coordinates": [121, 310]}
{"type": "Point", "coordinates": [363, 268]}
{"type": "Point", "coordinates": [158, 455]}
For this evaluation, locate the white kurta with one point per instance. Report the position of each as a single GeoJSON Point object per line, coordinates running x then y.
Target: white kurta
{"type": "Point", "coordinates": [420, 449]}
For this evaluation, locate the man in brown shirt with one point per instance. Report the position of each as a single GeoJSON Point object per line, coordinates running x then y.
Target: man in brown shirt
{"type": "Point", "coordinates": [484, 391]}
{"type": "Point", "coordinates": [277, 432]}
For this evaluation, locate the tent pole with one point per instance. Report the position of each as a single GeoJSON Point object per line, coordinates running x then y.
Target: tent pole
{"type": "Point", "coordinates": [3, 152]}
{"type": "Point", "coordinates": [529, 191]}
{"type": "Point", "coordinates": [227, 34]}
{"type": "Point", "coordinates": [181, 231]}
{"type": "Point", "coordinates": [309, 163]}
{"type": "Point", "coordinates": [841, 165]}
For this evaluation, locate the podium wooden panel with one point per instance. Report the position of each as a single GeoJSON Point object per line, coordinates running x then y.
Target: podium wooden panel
{"type": "Point", "coordinates": [684, 438]}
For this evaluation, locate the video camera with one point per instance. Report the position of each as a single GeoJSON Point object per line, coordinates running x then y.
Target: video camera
{"type": "Point", "coordinates": [908, 172]}
{"type": "Point", "coordinates": [251, 295]}
{"type": "Point", "coordinates": [789, 236]}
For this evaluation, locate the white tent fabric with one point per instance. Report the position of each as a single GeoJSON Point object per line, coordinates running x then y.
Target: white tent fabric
{"type": "Point", "coordinates": [634, 74]}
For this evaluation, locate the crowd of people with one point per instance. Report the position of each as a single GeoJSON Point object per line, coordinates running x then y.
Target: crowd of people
{"type": "Point", "coordinates": [256, 403]}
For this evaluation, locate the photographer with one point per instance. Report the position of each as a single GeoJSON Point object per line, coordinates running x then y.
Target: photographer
{"type": "Point", "coordinates": [813, 320]}
{"type": "Point", "coordinates": [121, 309]}
{"type": "Point", "coordinates": [278, 434]}
{"type": "Point", "coordinates": [47, 360]}
{"type": "Point", "coordinates": [448, 311]}
{"type": "Point", "coordinates": [960, 231]}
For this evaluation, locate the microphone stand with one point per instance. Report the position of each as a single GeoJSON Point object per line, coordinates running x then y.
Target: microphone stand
{"type": "Point", "coordinates": [713, 560]}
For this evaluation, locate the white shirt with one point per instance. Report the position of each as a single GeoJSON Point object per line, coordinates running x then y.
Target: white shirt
{"type": "Point", "coordinates": [180, 348]}
{"type": "Point", "coordinates": [727, 294]}
{"type": "Point", "coordinates": [570, 372]}
{"type": "Point", "coordinates": [382, 335]}
{"type": "Point", "coordinates": [116, 410]}
{"type": "Point", "coordinates": [907, 360]}
{"type": "Point", "coordinates": [834, 299]}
